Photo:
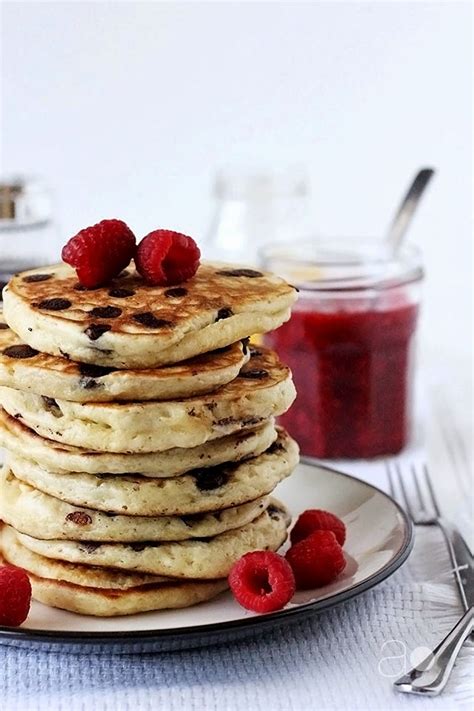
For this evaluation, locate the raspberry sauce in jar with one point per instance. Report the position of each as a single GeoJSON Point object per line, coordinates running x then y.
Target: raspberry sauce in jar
{"type": "Point", "coordinates": [350, 345]}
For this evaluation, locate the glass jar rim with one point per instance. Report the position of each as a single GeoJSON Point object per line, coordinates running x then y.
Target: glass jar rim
{"type": "Point", "coordinates": [343, 264]}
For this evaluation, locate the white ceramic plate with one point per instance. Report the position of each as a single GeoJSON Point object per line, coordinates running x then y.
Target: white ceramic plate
{"type": "Point", "coordinates": [379, 539]}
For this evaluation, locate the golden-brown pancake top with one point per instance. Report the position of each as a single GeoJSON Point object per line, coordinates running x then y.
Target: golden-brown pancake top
{"type": "Point", "coordinates": [128, 305]}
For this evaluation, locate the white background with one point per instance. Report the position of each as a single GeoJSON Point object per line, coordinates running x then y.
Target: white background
{"type": "Point", "coordinates": [128, 108]}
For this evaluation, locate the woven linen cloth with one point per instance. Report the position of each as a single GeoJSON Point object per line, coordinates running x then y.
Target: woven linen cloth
{"type": "Point", "coordinates": [345, 658]}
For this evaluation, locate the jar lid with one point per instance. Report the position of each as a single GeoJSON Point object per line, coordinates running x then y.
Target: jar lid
{"type": "Point", "coordinates": [341, 264]}
{"type": "Point", "coordinates": [24, 201]}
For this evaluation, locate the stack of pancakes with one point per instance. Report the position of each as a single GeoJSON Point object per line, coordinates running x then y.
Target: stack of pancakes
{"type": "Point", "coordinates": [140, 435]}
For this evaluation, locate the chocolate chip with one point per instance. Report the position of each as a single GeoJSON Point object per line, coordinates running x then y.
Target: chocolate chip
{"type": "Point", "coordinates": [150, 321]}
{"type": "Point", "coordinates": [96, 330]}
{"type": "Point", "coordinates": [249, 421]}
{"type": "Point", "coordinates": [275, 448]}
{"type": "Point", "coordinates": [274, 512]}
{"type": "Point", "coordinates": [32, 278]}
{"type": "Point", "coordinates": [121, 293]}
{"type": "Point", "coordinates": [138, 547]}
{"type": "Point", "coordinates": [191, 520]}
{"type": "Point", "coordinates": [89, 384]}
{"type": "Point", "coordinates": [88, 370]}
{"type": "Point", "coordinates": [80, 518]}
{"type": "Point", "coordinates": [3, 326]}
{"type": "Point", "coordinates": [51, 406]}
{"type": "Point", "coordinates": [22, 351]}
{"type": "Point", "coordinates": [224, 313]}
{"type": "Point", "coordinates": [89, 373]}
{"type": "Point", "coordinates": [176, 292]}
{"type": "Point", "coordinates": [212, 478]}
{"type": "Point", "coordinates": [225, 421]}
{"type": "Point", "coordinates": [250, 273]}
{"type": "Point", "coordinates": [105, 312]}
{"type": "Point", "coordinates": [56, 304]}
{"type": "Point", "coordinates": [88, 546]}
{"type": "Point", "coordinates": [255, 374]}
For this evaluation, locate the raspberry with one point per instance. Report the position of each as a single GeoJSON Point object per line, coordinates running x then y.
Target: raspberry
{"type": "Point", "coordinates": [262, 581]}
{"type": "Point", "coordinates": [318, 520]}
{"type": "Point", "coordinates": [165, 258]}
{"type": "Point", "coordinates": [316, 560]}
{"type": "Point", "coordinates": [15, 596]}
{"type": "Point", "coordinates": [100, 252]}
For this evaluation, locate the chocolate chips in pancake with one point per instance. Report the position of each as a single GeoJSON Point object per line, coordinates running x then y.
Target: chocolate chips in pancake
{"type": "Point", "coordinates": [130, 324]}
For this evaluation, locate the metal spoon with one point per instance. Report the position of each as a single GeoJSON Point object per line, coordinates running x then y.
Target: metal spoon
{"type": "Point", "coordinates": [405, 212]}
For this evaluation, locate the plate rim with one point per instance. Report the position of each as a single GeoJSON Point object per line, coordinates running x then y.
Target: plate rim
{"type": "Point", "coordinates": [129, 638]}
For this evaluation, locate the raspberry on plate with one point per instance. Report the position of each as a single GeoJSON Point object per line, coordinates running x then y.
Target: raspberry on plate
{"type": "Point", "coordinates": [318, 520]}
{"type": "Point", "coordinates": [165, 258]}
{"type": "Point", "coordinates": [262, 581]}
{"type": "Point", "coordinates": [316, 560]}
{"type": "Point", "coordinates": [15, 596]}
{"type": "Point", "coordinates": [100, 252]}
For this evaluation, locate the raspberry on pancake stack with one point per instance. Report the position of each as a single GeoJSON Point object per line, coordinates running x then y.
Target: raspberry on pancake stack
{"type": "Point", "coordinates": [139, 424]}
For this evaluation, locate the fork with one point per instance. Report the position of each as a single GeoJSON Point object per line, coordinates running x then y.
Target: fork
{"type": "Point", "coordinates": [431, 676]}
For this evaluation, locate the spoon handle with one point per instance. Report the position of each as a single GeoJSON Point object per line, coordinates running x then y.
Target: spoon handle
{"type": "Point", "coordinates": [405, 212]}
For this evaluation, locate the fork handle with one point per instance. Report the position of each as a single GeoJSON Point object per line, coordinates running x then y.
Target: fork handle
{"type": "Point", "coordinates": [460, 555]}
{"type": "Point", "coordinates": [431, 680]}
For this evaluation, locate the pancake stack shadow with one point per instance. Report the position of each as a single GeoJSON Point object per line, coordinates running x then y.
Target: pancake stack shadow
{"type": "Point", "coordinates": [141, 446]}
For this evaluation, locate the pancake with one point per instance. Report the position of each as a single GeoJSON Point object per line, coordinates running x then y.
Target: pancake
{"type": "Point", "coordinates": [25, 369]}
{"type": "Point", "coordinates": [38, 514]}
{"type": "Point", "coordinates": [112, 602]}
{"type": "Point", "coordinates": [263, 389]}
{"type": "Point", "coordinates": [89, 575]}
{"type": "Point", "coordinates": [207, 558]}
{"type": "Point", "coordinates": [128, 324]}
{"type": "Point", "coordinates": [201, 490]}
{"type": "Point", "coordinates": [62, 458]}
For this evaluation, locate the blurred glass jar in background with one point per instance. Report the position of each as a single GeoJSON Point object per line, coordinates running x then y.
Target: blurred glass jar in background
{"type": "Point", "coordinates": [27, 232]}
{"type": "Point", "coordinates": [350, 345]}
{"type": "Point", "coordinates": [255, 207]}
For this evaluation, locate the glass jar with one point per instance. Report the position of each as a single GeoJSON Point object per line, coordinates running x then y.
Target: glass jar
{"type": "Point", "coordinates": [254, 207]}
{"type": "Point", "coordinates": [27, 233]}
{"type": "Point", "coordinates": [350, 345]}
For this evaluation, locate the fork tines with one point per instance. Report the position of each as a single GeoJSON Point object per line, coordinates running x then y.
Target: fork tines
{"type": "Point", "coordinates": [410, 484]}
